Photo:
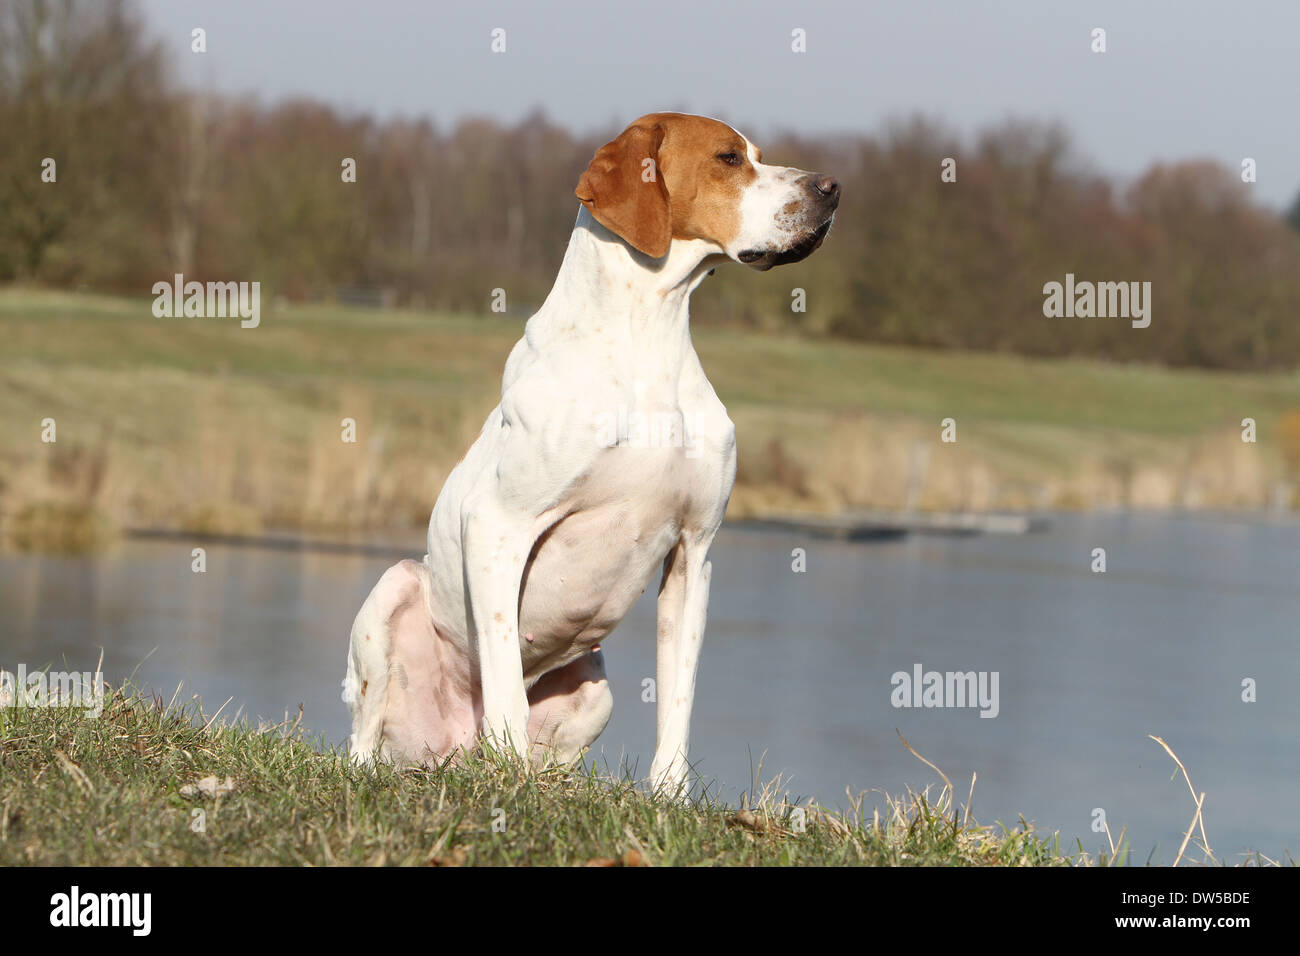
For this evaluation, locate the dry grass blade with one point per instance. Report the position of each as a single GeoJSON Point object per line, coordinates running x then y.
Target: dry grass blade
{"type": "Point", "coordinates": [73, 771]}
{"type": "Point", "coordinates": [1197, 820]}
{"type": "Point", "coordinates": [946, 781]}
{"type": "Point", "coordinates": [217, 714]}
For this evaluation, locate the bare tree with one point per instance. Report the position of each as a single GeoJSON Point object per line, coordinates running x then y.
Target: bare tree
{"type": "Point", "coordinates": [77, 78]}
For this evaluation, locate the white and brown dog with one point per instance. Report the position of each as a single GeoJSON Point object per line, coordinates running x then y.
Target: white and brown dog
{"type": "Point", "coordinates": [554, 522]}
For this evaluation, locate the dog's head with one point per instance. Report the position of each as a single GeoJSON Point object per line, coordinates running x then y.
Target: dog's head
{"type": "Point", "coordinates": [675, 176]}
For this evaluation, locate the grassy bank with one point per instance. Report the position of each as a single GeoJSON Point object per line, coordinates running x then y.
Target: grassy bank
{"type": "Point", "coordinates": [198, 424]}
{"type": "Point", "coordinates": [150, 782]}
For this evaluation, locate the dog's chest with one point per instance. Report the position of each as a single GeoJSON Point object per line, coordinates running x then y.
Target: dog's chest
{"type": "Point", "coordinates": [652, 487]}
{"type": "Point", "coordinates": [589, 568]}
{"type": "Point", "coordinates": [662, 443]}
{"type": "Point", "coordinates": [656, 473]}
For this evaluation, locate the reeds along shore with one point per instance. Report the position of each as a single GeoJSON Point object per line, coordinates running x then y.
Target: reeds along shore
{"type": "Point", "coordinates": [192, 425]}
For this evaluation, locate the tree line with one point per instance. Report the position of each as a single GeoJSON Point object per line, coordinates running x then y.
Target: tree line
{"type": "Point", "coordinates": [149, 180]}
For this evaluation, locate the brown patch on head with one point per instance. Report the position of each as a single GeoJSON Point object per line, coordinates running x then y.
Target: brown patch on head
{"type": "Point", "coordinates": [700, 168]}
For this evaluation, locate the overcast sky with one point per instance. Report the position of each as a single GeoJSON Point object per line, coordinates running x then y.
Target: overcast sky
{"type": "Point", "coordinates": [1180, 78]}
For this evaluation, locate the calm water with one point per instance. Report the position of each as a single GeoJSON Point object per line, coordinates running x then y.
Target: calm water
{"type": "Point", "coordinates": [796, 667]}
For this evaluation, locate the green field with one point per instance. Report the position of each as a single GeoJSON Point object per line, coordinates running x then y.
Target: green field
{"type": "Point", "coordinates": [125, 790]}
{"type": "Point", "coordinates": [201, 425]}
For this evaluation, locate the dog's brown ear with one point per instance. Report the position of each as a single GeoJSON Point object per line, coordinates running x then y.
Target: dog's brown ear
{"type": "Point", "coordinates": [627, 194]}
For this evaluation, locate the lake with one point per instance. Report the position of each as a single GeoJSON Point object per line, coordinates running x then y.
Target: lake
{"type": "Point", "coordinates": [798, 668]}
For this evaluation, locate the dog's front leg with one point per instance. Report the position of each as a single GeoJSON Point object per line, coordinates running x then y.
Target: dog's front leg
{"type": "Point", "coordinates": [496, 547]}
{"type": "Point", "coordinates": [682, 610]}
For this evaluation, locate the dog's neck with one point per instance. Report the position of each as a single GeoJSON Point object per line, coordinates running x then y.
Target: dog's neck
{"type": "Point", "coordinates": [606, 290]}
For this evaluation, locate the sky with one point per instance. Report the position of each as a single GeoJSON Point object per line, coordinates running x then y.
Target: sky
{"type": "Point", "coordinates": [1180, 79]}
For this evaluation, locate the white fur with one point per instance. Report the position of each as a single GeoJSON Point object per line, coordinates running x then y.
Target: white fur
{"type": "Point", "coordinates": [611, 344]}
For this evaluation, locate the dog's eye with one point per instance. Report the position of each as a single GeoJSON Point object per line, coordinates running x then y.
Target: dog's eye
{"type": "Point", "coordinates": [731, 159]}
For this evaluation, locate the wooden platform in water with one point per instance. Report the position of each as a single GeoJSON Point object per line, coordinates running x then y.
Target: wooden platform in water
{"type": "Point", "coordinates": [888, 525]}
{"type": "Point", "coordinates": [849, 526]}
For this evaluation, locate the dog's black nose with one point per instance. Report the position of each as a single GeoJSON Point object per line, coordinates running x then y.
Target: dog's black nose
{"type": "Point", "coordinates": [825, 190]}
{"type": "Point", "coordinates": [827, 185]}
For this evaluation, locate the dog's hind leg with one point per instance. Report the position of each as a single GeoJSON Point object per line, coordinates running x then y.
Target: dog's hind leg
{"type": "Point", "coordinates": [567, 710]}
{"type": "Point", "coordinates": [410, 692]}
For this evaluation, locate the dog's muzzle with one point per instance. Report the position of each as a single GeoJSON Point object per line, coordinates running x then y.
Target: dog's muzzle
{"type": "Point", "coordinates": [823, 199]}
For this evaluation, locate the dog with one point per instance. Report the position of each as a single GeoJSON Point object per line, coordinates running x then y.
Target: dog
{"type": "Point", "coordinates": [561, 511]}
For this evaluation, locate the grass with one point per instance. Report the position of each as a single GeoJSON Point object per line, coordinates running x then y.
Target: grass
{"type": "Point", "coordinates": [197, 424]}
{"type": "Point", "coordinates": [131, 787]}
